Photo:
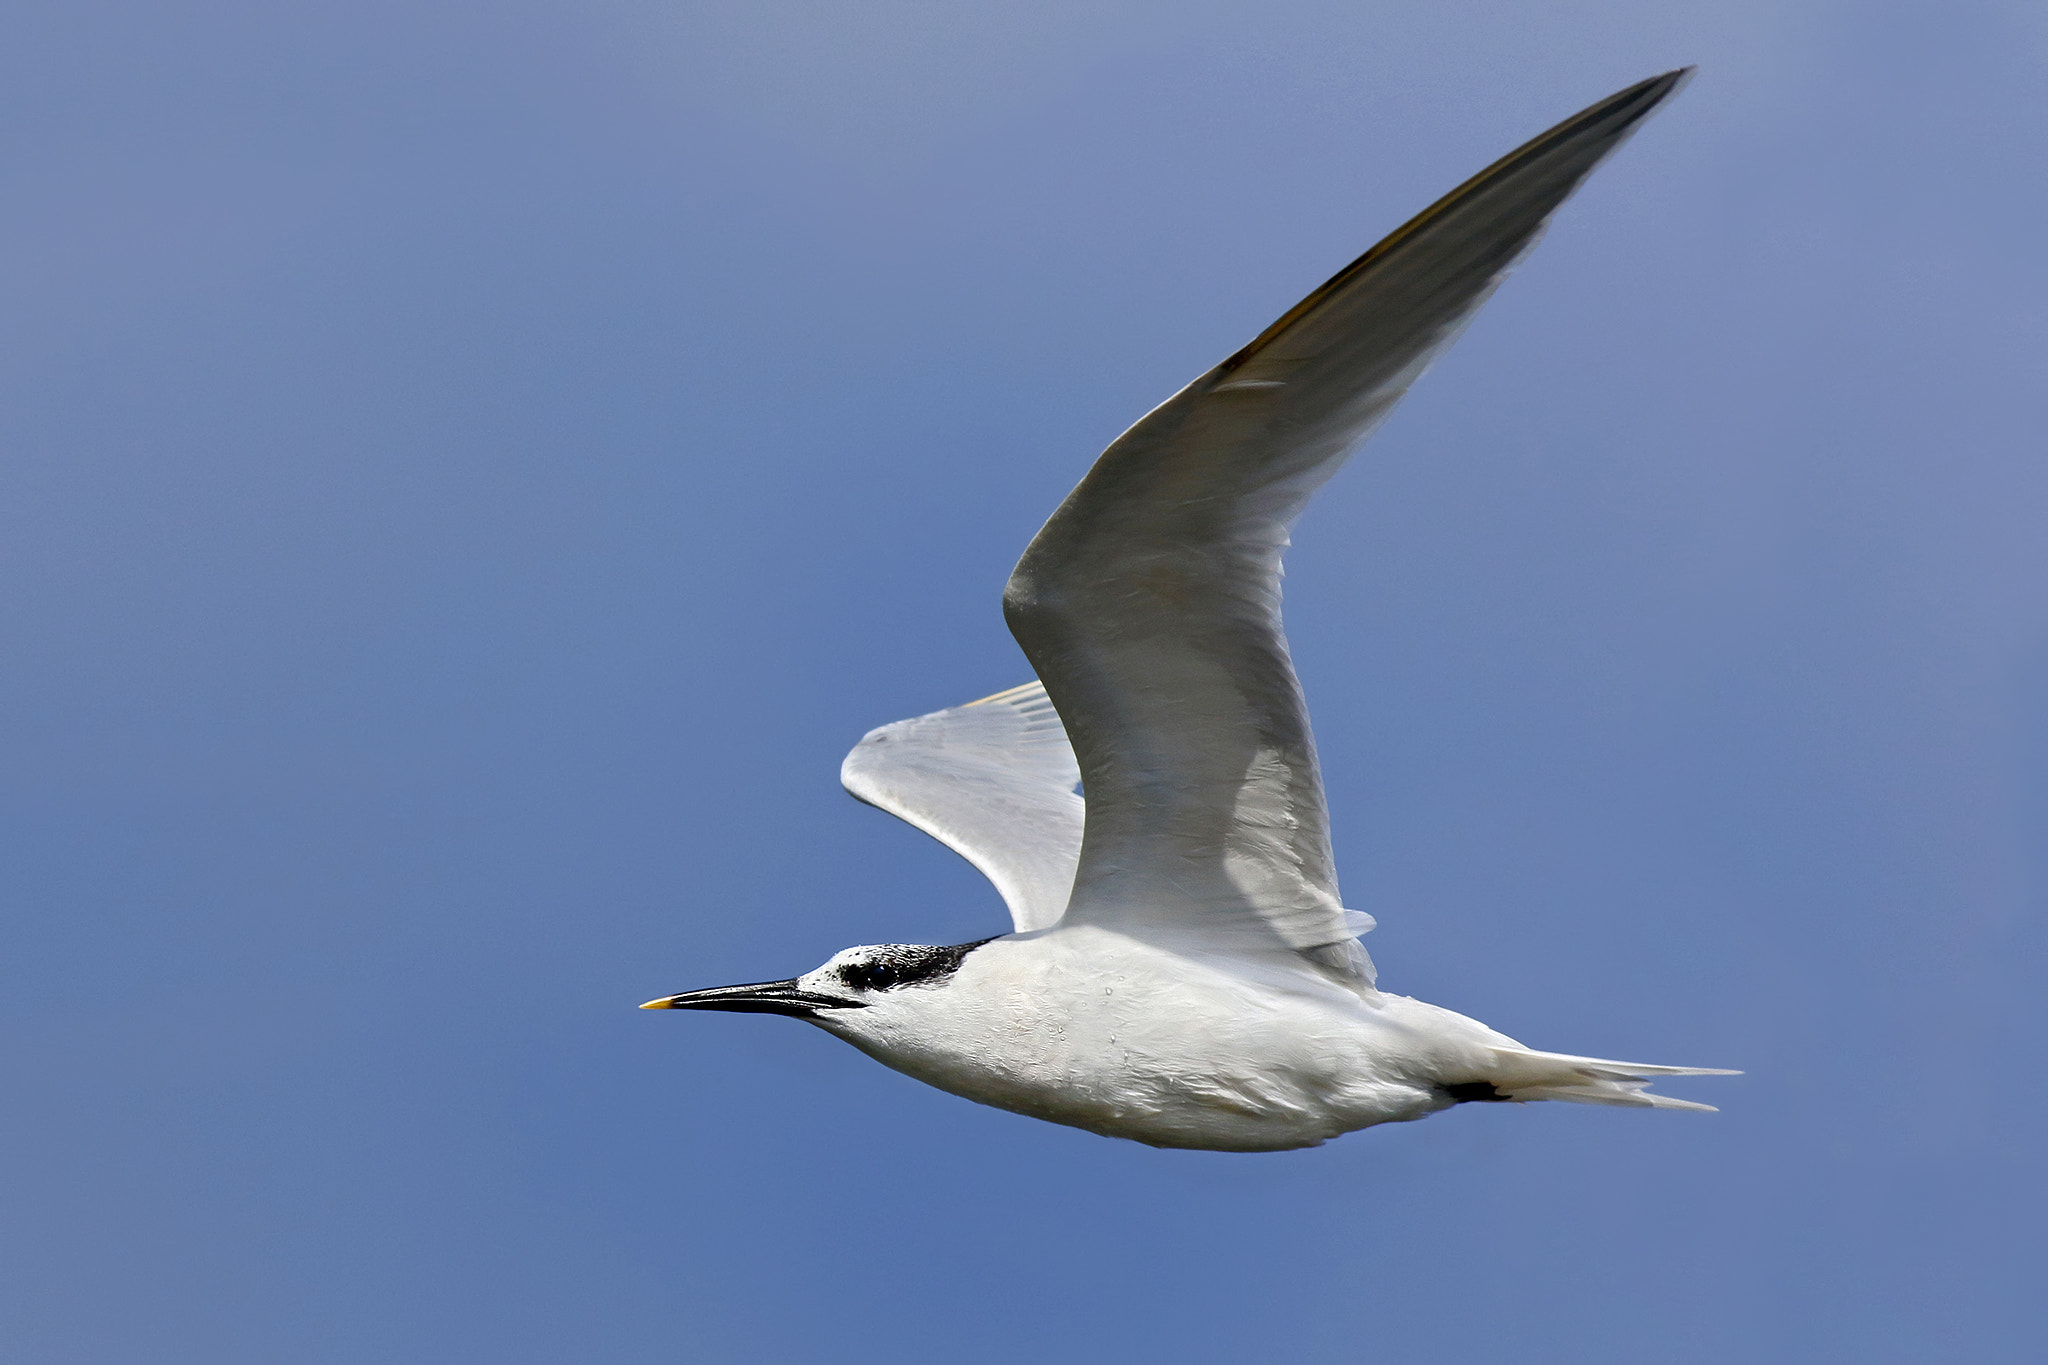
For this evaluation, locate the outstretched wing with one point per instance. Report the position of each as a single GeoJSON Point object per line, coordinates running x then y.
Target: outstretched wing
{"type": "Point", "coordinates": [1150, 603]}
{"type": "Point", "coordinates": [993, 781]}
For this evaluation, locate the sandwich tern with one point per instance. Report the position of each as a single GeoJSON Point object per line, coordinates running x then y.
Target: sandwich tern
{"type": "Point", "coordinates": [1181, 971]}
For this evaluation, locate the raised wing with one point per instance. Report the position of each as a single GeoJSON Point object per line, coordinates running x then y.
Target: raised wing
{"type": "Point", "coordinates": [993, 781]}
{"type": "Point", "coordinates": [1150, 603]}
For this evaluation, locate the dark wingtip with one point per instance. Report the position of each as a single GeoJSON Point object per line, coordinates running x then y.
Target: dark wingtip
{"type": "Point", "coordinates": [1656, 89]}
{"type": "Point", "coordinates": [1637, 100]}
{"type": "Point", "coordinates": [1600, 127]}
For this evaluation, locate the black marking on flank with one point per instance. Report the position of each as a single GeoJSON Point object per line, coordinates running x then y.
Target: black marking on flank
{"type": "Point", "coordinates": [889, 966]}
{"type": "Point", "coordinates": [1466, 1091]}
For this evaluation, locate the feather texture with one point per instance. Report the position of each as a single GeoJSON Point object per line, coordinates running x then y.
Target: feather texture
{"type": "Point", "coordinates": [1150, 602]}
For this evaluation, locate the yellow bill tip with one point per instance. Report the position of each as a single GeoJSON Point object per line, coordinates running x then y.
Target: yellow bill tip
{"type": "Point", "coordinates": [660, 1004]}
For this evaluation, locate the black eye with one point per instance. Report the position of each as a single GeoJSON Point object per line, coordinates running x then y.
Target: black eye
{"type": "Point", "coordinates": [868, 976]}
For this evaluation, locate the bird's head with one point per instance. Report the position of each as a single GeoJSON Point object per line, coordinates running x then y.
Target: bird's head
{"type": "Point", "coordinates": [853, 979]}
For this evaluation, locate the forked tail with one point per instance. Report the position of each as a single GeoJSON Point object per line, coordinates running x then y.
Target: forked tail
{"type": "Point", "coordinates": [1522, 1074]}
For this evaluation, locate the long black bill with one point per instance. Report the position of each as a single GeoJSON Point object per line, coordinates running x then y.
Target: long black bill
{"type": "Point", "coordinates": [765, 997]}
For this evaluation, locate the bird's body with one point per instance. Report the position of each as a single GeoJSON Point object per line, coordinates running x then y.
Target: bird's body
{"type": "Point", "coordinates": [1176, 1045]}
{"type": "Point", "coordinates": [1086, 1027]}
{"type": "Point", "coordinates": [1183, 972]}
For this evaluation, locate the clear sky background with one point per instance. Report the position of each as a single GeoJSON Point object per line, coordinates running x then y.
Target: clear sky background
{"type": "Point", "coordinates": [468, 471]}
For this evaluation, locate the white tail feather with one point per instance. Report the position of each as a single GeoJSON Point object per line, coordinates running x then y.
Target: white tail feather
{"type": "Point", "coordinates": [1524, 1074]}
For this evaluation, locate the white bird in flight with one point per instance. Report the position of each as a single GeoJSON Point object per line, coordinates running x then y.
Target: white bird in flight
{"type": "Point", "coordinates": [1182, 972]}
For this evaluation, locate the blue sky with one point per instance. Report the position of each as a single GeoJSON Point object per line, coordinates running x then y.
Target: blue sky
{"type": "Point", "coordinates": [471, 470]}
